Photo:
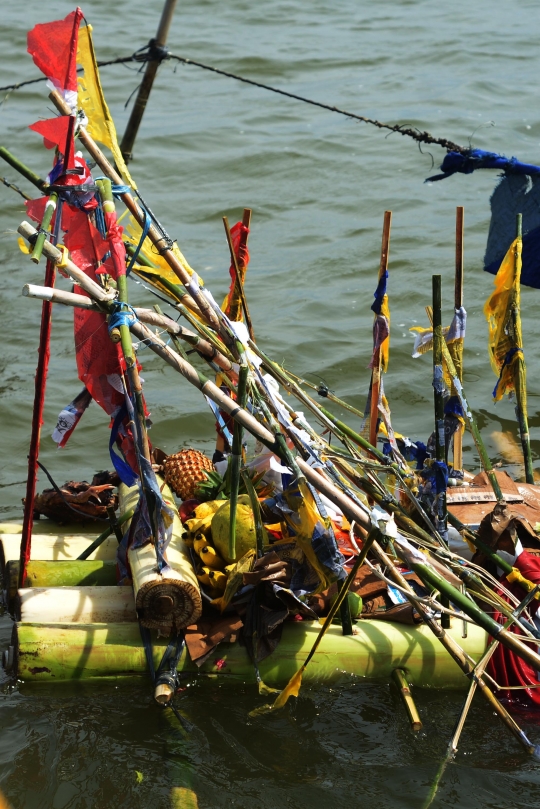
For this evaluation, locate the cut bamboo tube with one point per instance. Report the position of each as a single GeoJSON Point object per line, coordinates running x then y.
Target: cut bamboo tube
{"type": "Point", "coordinates": [60, 574]}
{"type": "Point", "coordinates": [170, 600]}
{"type": "Point", "coordinates": [77, 605]}
{"type": "Point", "coordinates": [400, 679]}
{"type": "Point", "coordinates": [458, 303]}
{"type": "Point", "coordinates": [28, 231]}
{"type": "Point", "coordinates": [54, 548]}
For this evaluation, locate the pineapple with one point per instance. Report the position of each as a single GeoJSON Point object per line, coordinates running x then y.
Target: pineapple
{"type": "Point", "coordinates": [184, 470]}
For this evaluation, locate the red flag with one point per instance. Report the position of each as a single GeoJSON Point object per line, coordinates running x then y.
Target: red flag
{"type": "Point", "coordinates": [239, 234]}
{"type": "Point", "coordinates": [53, 47]}
{"type": "Point", "coordinates": [116, 264]}
{"type": "Point", "coordinates": [54, 131]}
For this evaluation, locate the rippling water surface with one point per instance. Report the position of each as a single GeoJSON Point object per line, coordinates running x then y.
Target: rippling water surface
{"type": "Point", "coordinates": [318, 185]}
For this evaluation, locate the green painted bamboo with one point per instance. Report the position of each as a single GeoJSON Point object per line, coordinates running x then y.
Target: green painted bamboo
{"type": "Point", "coordinates": [26, 172]}
{"type": "Point", "coordinates": [50, 208]}
{"type": "Point", "coordinates": [323, 391]}
{"type": "Point", "coordinates": [496, 630]}
{"type": "Point", "coordinates": [236, 459]}
{"type": "Point", "coordinates": [475, 432]}
{"type": "Point", "coordinates": [438, 401]}
{"type": "Point", "coordinates": [400, 679]}
{"type": "Point", "coordinates": [520, 373]}
{"type": "Point", "coordinates": [454, 650]}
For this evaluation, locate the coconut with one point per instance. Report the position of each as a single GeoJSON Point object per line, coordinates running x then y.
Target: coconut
{"type": "Point", "coordinates": [245, 529]}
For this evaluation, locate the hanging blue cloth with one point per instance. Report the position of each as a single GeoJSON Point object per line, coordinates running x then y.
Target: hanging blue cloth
{"type": "Point", "coordinates": [469, 161]}
{"type": "Point", "coordinates": [380, 292]}
{"type": "Point", "coordinates": [123, 469]}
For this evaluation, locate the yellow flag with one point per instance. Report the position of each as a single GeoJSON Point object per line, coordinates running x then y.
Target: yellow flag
{"type": "Point", "coordinates": [160, 267]}
{"type": "Point", "coordinates": [505, 342]}
{"type": "Point", "coordinates": [92, 101]}
{"type": "Point", "coordinates": [385, 345]}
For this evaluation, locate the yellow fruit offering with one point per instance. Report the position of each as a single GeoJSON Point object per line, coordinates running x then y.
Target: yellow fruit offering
{"type": "Point", "coordinates": [245, 529]}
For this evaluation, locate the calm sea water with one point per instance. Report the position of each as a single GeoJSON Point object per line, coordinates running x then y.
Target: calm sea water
{"type": "Point", "coordinates": [318, 185]}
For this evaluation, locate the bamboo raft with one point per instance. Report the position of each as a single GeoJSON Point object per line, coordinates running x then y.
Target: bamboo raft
{"type": "Point", "coordinates": [127, 603]}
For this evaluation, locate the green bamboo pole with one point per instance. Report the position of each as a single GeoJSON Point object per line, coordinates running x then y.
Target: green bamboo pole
{"type": "Point", "coordinates": [26, 172]}
{"type": "Point", "coordinates": [440, 441]}
{"type": "Point", "coordinates": [236, 459]}
{"type": "Point", "coordinates": [105, 189]}
{"type": "Point", "coordinates": [520, 373]}
{"type": "Point", "coordinates": [496, 630]}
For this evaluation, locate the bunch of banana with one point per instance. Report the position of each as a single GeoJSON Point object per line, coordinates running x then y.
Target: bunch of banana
{"type": "Point", "coordinates": [201, 522]}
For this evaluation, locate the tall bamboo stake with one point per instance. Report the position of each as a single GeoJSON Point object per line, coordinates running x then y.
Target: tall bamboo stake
{"type": "Point", "coordinates": [376, 370]}
{"type": "Point", "coordinates": [458, 303]}
{"type": "Point", "coordinates": [143, 95]}
{"type": "Point", "coordinates": [520, 374]}
{"type": "Point", "coordinates": [37, 414]}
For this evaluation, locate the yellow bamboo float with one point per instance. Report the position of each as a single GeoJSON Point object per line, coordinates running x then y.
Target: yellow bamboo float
{"type": "Point", "coordinates": [170, 600]}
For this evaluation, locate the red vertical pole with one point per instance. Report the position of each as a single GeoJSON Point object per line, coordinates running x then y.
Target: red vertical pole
{"type": "Point", "coordinates": [37, 420]}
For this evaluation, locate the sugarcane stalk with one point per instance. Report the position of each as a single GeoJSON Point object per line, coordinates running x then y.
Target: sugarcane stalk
{"type": "Point", "coordinates": [376, 370]}
{"type": "Point", "coordinates": [50, 208]}
{"type": "Point", "coordinates": [520, 373]}
{"type": "Point", "coordinates": [157, 237]}
{"type": "Point", "coordinates": [458, 303]}
{"type": "Point", "coordinates": [126, 147]}
{"type": "Point", "coordinates": [239, 284]}
{"type": "Point", "coordinates": [455, 651]}
{"type": "Point", "coordinates": [400, 679]}
{"type": "Point", "coordinates": [23, 169]}
{"type": "Point", "coordinates": [236, 459]}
